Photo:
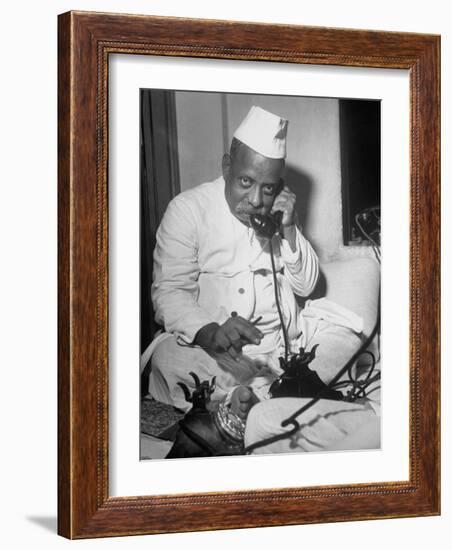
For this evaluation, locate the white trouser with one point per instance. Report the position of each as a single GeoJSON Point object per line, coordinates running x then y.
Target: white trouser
{"type": "Point", "coordinates": [326, 426]}
{"type": "Point", "coordinates": [172, 362]}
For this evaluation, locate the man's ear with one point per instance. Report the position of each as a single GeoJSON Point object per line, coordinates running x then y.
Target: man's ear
{"type": "Point", "coordinates": [226, 165]}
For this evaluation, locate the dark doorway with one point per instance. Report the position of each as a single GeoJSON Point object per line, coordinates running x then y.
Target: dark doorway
{"type": "Point", "coordinates": [159, 184]}
{"type": "Point", "coordinates": [360, 139]}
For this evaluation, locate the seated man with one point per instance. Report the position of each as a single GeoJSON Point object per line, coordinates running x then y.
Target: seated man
{"type": "Point", "coordinates": [213, 288]}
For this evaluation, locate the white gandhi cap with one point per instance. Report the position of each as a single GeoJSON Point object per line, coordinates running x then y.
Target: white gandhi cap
{"type": "Point", "coordinates": [264, 132]}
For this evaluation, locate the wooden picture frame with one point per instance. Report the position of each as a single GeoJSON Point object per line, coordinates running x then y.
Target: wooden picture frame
{"type": "Point", "coordinates": [85, 42]}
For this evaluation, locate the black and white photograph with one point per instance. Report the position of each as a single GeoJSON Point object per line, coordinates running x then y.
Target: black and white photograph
{"type": "Point", "coordinates": [224, 233]}
{"type": "Point", "coordinates": [259, 274]}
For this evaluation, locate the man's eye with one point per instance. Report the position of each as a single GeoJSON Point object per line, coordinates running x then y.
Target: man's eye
{"type": "Point", "coordinates": [245, 181]}
{"type": "Point", "coordinates": [269, 189]}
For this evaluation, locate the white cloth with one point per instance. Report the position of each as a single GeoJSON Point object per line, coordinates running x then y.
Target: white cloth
{"type": "Point", "coordinates": [208, 264]}
{"type": "Point", "coordinates": [327, 426]}
{"type": "Point", "coordinates": [173, 361]}
{"type": "Point", "coordinates": [264, 132]}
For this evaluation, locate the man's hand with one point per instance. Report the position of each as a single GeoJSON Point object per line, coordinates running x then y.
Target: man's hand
{"type": "Point", "coordinates": [285, 203]}
{"type": "Point", "coordinates": [231, 336]}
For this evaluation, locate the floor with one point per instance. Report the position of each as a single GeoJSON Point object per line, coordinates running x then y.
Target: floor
{"type": "Point", "coordinates": [153, 447]}
{"type": "Point", "coordinates": [159, 424]}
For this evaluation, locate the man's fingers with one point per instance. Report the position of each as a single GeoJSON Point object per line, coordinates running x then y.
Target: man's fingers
{"type": "Point", "coordinates": [236, 332]}
{"type": "Point", "coordinates": [227, 345]}
{"type": "Point", "coordinates": [287, 190]}
{"type": "Point", "coordinates": [283, 202]}
{"type": "Point", "coordinates": [224, 343]}
{"type": "Point", "coordinates": [234, 353]}
{"type": "Point", "coordinates": [234, 338]}
{"type": "Point", "coordinates": [221, 340]}
{"type": "Point", "coordinates": [248, 331]}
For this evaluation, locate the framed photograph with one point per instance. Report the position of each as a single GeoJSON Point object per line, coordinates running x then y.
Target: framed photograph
{"type": "Point", "coordinates": [248, 275]}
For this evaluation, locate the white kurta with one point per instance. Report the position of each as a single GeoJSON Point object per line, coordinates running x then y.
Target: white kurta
{"type": "Point", "coordinates": [208, 264]}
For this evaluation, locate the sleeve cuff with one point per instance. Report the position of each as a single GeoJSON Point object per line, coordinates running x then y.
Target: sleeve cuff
{"type": "Point", "coordinates": [192, 324]}
{"type": "Point", "coordinates": [289, 256]}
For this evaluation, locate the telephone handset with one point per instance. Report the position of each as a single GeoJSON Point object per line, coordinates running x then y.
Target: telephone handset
{"type": "Point", "coordinates": [266, 225]}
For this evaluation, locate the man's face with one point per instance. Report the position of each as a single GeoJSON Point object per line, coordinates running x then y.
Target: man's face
{"type": "Point", "coordinates": [252, 182]}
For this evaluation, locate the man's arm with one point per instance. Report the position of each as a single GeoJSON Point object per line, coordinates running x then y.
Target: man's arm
{"type": "Point", "coordinates": [302, 263]}
{"type": "Point", "coordinates": [175, 288]}
{"type": "Point", "coordinates": [297, 253]}
{"type": "Point", "coordinates": [176, 271]}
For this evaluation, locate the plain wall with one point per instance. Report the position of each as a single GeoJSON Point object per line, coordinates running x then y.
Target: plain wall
{"type": "Point", "coordinates": [200, 137]}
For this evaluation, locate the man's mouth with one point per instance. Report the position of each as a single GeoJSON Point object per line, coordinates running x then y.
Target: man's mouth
{"type": "Point", "coordinates": [243, 212]}
{"type": "Point", "coordinates": [247, 213]}
{"type": "Point", "coordinates": [245, 216]}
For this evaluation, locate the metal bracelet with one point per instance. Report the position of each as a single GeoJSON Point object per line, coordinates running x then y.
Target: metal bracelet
{"type": "Point", "coordinates": [229, 422]}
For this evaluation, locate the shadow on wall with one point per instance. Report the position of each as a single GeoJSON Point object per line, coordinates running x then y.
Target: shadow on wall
{"type": "Point", "coordinates": [301, 184]}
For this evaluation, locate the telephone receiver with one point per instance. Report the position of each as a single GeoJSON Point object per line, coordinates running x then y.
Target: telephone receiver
{"type": "Point", "coordinates": [266, 225]}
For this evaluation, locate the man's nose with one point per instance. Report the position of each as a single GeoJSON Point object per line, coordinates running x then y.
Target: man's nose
{"type": "Point", "coordinates": [255, 196]}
